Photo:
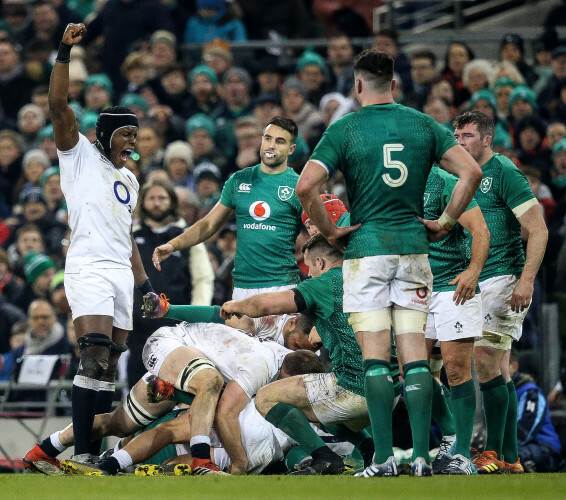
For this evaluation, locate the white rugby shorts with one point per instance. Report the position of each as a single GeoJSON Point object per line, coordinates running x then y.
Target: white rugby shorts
{"type": "Point", "coordinates": [106, 292]}
{"type": "Point", "coordinates": [498, 317]}
{"type": "Point", "coordinates": [333, 404]}
{"type": "Point", "coordinates": [447, 321]}
{"type": "Point", "coordinates": [379, 281]}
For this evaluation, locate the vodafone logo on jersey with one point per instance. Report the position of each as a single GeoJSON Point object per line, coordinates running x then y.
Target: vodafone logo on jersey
{"type": "Point", "coordinates": [260, 210]}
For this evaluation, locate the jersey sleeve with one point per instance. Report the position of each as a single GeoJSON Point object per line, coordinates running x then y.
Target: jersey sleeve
{"type": "Point", "coordinates": [328, 152]}
{"type": "Point", "coordinates": [70, 163]}
{"type": "Point", "coordinates": [514, 187]}
{"type": "Point", "coordinates": [315, 291]}
{"type": "Point", "coordinates": [227, 198]}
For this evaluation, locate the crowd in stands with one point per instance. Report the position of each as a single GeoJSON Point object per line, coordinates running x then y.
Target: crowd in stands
{"type": "Point", "coordinates": [201, 119]}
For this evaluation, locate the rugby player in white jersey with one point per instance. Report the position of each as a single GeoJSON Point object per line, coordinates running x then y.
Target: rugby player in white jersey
{"type": "Point", "coordinates": [102, 263]}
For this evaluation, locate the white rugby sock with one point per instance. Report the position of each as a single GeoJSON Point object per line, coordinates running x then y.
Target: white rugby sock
{"type": "Point", "coordinates": [56, 442]}
{"type": "Point", "coordinates": [124, 458]}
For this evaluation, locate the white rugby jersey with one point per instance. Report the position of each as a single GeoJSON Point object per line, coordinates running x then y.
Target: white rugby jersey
{"type": "Point", "coordinates": [237, 355]}
{"type": "Point", "coordinates": [100, 200]}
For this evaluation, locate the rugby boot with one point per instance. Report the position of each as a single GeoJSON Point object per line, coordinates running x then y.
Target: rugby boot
{"type": "Point", "coordinates": [487, 463]}
{"type": "Point", "coordinates": [202, 467]}
{"type": "Point", "coordinates": [459, 466]}
{"type": "Point", "coordinates": [444, 456]}
{"type": "Point", "coordinates": [325, 466]}
{"type": "Point", "coordinates": [515, 468]}
{"type": "Point", "coordinates": [76, 468]}
{"type": "Point", "coordinates": [420, 468]}
{"type": "Point", "coordinates": [387, 469]}
{"type": "Point", "coordinates": [163, 470]}
{"type": "Point", "coordinates": [37, 460]}
{"type": "Point", "coordinates": [158, 390]}
{"type": "Point", "coordinates": [154, 306]}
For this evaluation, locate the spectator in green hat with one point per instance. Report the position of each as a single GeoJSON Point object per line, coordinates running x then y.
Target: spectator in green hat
{"type": "Point", "coordinates": [54, 198]}
{"type": "Point", "coordinates": [558, 186]}
{"type": "Point", "coordinates": [201, 133]}
{"type": "Point", "coordinates": [136, 103]}
{"type": "Point", "coordinates": [88, 125]}
{"type": "Point", "coordinates": [313, 72]}
{"type": "Point", "coordinates": [502, 89]}
{"type": "Point", "coordinates": [39, 271]}
{"type": "Point", "coordinates": [203, 85]}
{"type": "Point", "coordinates": [46, 141]}
{"type": "Point", "coordinates": [98, 92]}
{"type": "Point", "coordinates": [522, 102]}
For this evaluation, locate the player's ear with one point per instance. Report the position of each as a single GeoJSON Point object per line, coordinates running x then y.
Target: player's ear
{"type": "Point", "coordinates": [292, 149]}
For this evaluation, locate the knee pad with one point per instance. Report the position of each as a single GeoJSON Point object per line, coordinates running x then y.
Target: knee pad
{"type": "Point", "coordinates": [371, 321]}
{"type": "Point", "coordinates": [136, 412]}
{"type": "Point", "coordinates": [94, 350]}
{"type": "Point", "coordinates": [408, 321]}
{"type": "Point", "coordinates": [196, 365]}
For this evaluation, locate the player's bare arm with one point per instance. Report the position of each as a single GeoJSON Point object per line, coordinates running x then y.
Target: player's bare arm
{"type": "Point", "coordinates": [467, 281]}
{"type": "Point", "coordinates": [200, 231]}
{"type": "Point", "coordinates": [457, 161]}
{"type": "Point", "coordinates": [309, 186]}
{"type": "Point", "coordinates": [227, 425]}
{"type": "Point", "coordinates": [263, 304]}
{"type": "Point", "coordinates": [65, 128]}
{"type": "Point", "coordinates": [532, 221]}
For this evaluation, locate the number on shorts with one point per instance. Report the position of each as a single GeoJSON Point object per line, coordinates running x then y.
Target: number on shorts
{"type": "Point", "coordinates": [389, 163]}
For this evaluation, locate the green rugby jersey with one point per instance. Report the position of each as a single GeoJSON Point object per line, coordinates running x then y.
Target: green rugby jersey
{"type": "Point", "coordinates": [503, 188]}
{"type": "Point", "coordinates": [268, 220]}
{"type": "Point", "coordinates": [323, 297]}
{"type": "Point", "coordinates": [385, 153]}
{"type": "Point", "coordinates": [451, 255]}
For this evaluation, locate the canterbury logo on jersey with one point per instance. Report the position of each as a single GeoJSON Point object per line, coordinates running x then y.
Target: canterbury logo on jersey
{"type": "Point", "coordinates": [414, 387]}
{"type": "Point", "coordinates": [244, 188]}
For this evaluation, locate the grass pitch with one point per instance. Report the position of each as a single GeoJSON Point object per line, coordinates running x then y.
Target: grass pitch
{"type": "Point", "coordinates": [36, 486]}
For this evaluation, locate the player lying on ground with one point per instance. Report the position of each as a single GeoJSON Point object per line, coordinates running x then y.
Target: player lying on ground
{"type": "Point", "coordinates": [136, 413]}
{"type": "Point", "coordinates": [335, 399]}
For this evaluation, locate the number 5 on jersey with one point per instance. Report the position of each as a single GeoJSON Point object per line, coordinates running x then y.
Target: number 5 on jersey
{"type": "Point", "coordinates": [389, 163]}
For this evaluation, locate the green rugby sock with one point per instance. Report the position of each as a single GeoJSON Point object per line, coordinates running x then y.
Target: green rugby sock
{"type": "Point", "coordinates": [294, 456]}
{"type": "Point", "coordinates": [510, 447]}
{"type": "Point", "coordinates": [195, 314]}
{"type": "Point", "coordinates": [464, 405]}
{"type": "Point", "coordinates": [418, 397]}
{"type": "Point", "coordinates": [441, 413]}
{"type": "Point", "coordinates": [378, 386]}
{"type": "Point", "coordinates": [295, 424]}
{"type": "Point", "coordinates": [495, 398]}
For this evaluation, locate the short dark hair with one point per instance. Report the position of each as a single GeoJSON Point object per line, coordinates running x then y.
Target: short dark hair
{"type": "Point", "coordinates": [30, 227]}
{"type": "Point", "coordinates": [389, 33]}
{"type": "Point", "coordinates": [301, 362]}
{"type": "Point", "coordinates": [286, 124]}
{"type": "Point", "coordinates": [483, 122]}
{"type": "Point", "coordinates": [376, 67]}
{"type": "Point", "coordinates": [425, 54]}
{"type": "Point", "coordinates": [319, 245]}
